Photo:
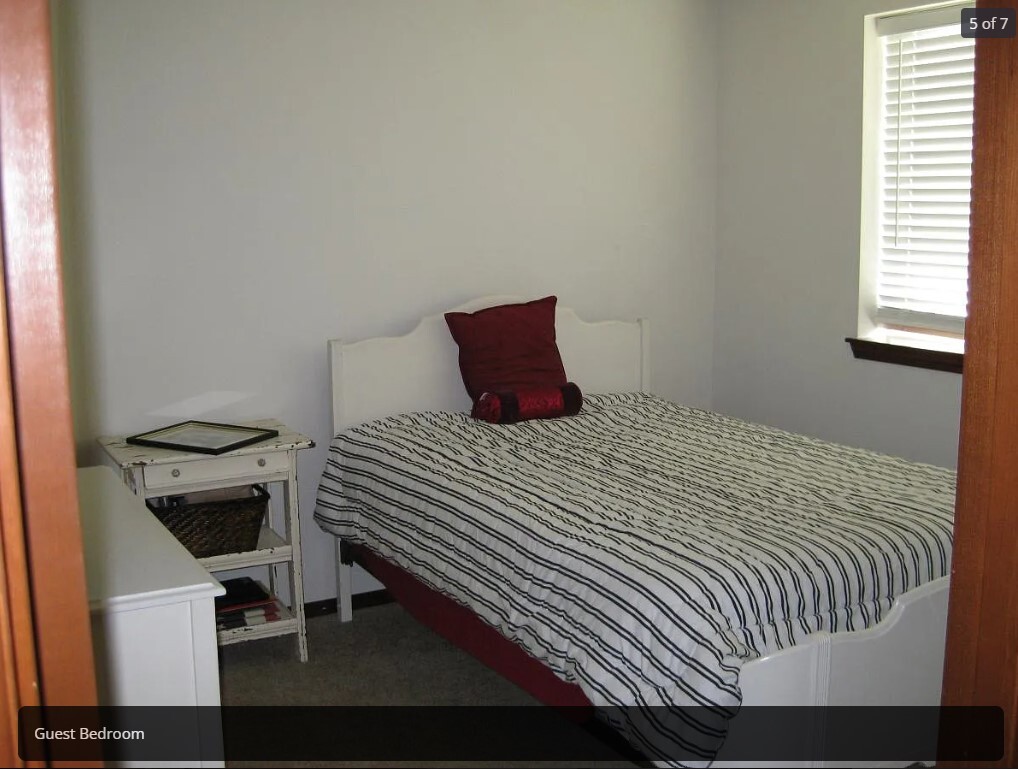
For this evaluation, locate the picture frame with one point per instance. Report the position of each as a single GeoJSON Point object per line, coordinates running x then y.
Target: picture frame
{"type": "Point", "coordinates": [202, 437]}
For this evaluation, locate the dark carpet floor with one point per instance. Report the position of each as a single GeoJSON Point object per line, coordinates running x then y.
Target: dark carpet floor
{"type": "Point", "coordinates": [383, 657]}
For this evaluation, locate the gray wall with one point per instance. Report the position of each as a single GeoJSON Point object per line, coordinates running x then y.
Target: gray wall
{"type": "Point", "coordinates": [790, 121]}
{"type": "Point", "coordinates": [244, 179]}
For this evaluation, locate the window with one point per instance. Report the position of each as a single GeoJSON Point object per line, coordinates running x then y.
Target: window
{"type": "Point", "coordinates": [917, 170]}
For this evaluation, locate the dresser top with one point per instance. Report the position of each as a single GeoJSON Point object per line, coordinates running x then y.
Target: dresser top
{"type": "Point", "coordinates": [129, 455]}
{"type": "Point", "coordinates": [132, 560]}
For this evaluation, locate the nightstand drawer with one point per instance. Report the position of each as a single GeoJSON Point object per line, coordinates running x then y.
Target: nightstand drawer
{"type": "Point", "coordinates": [215, 469]}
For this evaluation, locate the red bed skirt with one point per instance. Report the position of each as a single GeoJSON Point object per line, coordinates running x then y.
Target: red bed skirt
{"type": "Point", "coordinates": [463, 628]}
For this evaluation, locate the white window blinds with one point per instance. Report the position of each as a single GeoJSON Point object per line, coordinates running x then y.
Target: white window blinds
{"type": "Point", "coordinates": [925, 172]}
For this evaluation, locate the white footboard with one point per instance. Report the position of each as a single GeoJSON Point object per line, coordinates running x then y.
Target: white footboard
{"type": "Point", "coordinates": [897, 662]}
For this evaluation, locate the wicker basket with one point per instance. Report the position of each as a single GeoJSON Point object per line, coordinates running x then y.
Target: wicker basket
{"type": "Point", "coordinates": [214, 522]}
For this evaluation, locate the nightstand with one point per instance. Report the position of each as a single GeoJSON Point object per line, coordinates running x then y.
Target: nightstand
{"type": "Point", "coordinates": [153, 472]}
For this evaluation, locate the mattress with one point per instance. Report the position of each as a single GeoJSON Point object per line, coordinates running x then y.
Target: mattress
{"type": "Point", "coordinates": [642, 549]}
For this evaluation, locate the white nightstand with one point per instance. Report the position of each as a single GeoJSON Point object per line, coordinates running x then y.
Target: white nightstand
{"type": "Point", "coordinates": [152, 472]}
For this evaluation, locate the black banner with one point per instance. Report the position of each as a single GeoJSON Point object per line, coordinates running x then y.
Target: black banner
{"type": "Point", "coordinates": [505, 733]}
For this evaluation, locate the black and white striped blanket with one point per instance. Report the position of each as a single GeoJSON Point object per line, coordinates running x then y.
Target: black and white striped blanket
{"type": "Point", "coordinates": [642, 549]}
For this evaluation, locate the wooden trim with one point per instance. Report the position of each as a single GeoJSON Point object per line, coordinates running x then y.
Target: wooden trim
{"type": "Point", "coordinates": [982, 647]}
{"type": "Point", "coordinates": [39, 357]}
{"type": "Point", "coordinates": [919, 357]}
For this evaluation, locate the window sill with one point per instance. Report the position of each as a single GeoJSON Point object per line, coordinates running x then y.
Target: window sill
{"type": "Point", "coordinates": [919, 357]}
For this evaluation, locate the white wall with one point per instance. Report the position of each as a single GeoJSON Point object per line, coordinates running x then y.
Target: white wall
{"type": "Point", "coordinates": [790, 118]}
{"type": "Point", "coordinates": [244, 179]}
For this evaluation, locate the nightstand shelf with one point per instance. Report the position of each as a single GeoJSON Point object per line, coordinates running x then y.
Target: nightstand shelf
{"type": "Point", "coordinates": [287, 623]}
{"type": "Point", "coordinates": [271, 548]}
{"type": "Point", "coordinates": [154, 472]}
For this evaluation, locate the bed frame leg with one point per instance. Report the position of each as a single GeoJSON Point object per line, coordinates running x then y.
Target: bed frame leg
{"type": "Point", "coordinates": [344, 574]}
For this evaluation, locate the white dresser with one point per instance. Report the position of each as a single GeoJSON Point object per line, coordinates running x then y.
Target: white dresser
{"type": "Point", "coordinates": [153, 613]}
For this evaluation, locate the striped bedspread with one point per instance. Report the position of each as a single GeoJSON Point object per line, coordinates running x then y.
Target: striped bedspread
{"type": "Point", "coordinates": [642, 549]}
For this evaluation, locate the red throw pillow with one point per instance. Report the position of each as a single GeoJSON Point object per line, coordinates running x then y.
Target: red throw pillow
{"type": "Point", "coordinates": [505, 408]}
{"type": "Point", "coordinates": [508, 347]}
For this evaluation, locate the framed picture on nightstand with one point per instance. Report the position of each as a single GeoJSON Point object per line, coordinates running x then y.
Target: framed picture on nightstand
{"type": "Point", "coordinates": [202, 437]}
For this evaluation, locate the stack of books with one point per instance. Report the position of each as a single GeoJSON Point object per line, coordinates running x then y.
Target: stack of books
{"type": "Point", "coordinates": [245, 603]}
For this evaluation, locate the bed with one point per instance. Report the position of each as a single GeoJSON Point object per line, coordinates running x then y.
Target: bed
{"type": "Point", "coordinates": [755, 566]}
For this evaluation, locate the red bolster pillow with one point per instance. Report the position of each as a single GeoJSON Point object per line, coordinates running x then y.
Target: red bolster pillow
{"type": "Point", "coordinates": [525, 403]}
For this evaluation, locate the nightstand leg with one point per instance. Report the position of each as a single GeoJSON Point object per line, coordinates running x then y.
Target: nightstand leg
{"type": "Point", "coordinates": [273, 506]}
{"type": "Point", "coordinates": [296, 566]}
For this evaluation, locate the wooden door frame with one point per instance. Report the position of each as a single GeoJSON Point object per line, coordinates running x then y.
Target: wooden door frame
{"type": "Point", "coordinates": [981, 665]}
{"type": "Point", "coordinates": [44, 594]}
{"type": "Point", "coordinates": [20, 674]}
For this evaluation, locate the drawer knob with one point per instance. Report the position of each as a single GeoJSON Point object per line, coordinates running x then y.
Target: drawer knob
{"type": "Point", "coordinates": [176, 472]}
{"type": "Point", "coordinates": [261, 462]}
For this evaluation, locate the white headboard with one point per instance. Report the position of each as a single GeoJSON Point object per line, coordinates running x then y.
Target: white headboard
{"type": "Point", "coordinates": [382, 376]}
